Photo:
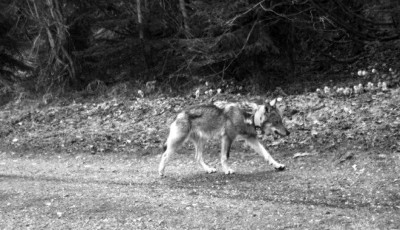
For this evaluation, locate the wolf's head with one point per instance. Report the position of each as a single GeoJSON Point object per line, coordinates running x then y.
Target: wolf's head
{"type": "Point", "coordinates": [269, 119]}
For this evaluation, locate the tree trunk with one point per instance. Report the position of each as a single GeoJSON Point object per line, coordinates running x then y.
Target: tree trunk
{"type": "Point", "coordinates": [184, 14]}
{"type": "Point", "coordinates": [140, 18]}
{"type": "Point", "coordinates": [141, 34]}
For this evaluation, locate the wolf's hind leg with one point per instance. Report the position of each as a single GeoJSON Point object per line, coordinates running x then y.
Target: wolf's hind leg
{"type": "Point", "coordinates": [257, 146]}
{"type": "Point", "coordinates": [225, 149]}
{"type": "Point", "coordinates": [199, 145]}
{"type": "Point", "coordinates": [176, 138]}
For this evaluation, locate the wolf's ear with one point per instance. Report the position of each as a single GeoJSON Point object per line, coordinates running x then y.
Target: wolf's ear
{"type": "Point", "coordinates": [272, 103]}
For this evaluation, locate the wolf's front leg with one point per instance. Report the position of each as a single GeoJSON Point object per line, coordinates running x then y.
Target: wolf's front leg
{"type": "Point", "coordinates": [225, 149]}
{"type": "Point", "coordinates": [259, 148]}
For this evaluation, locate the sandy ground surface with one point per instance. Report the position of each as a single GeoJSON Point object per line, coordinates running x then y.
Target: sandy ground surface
{"type": "Point", "coordinates": [84, 191]}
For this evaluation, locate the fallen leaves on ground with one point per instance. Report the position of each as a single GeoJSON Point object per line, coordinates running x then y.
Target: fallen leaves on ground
{"type": "Point", "coordinates": [368, 120]}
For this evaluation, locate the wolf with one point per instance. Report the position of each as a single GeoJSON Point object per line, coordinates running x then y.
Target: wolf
{"type": "Point", "coordinates": [227, 122]}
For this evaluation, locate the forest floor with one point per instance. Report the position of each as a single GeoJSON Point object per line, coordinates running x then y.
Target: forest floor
{"type": "Point", "coordinates": [92, 164]}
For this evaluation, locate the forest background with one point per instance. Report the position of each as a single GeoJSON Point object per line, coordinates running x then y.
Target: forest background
{"type": "Point", "coordinates": [57, 46]}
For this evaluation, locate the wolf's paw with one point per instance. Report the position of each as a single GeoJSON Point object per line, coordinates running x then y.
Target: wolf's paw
{"type": "Point", "coordinates": [228, 171]}
{"type": "Point", "coordinates": [210, 170]}
{"type": "Point", "coordinates": [161, 174]}
{"type": "Point", "coordinates": [280, 167]}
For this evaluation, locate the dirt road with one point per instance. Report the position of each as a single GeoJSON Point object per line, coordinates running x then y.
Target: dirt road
{"type": "Point", "coordinates": [124, 192]}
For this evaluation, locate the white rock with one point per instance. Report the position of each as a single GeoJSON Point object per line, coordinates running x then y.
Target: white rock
{"type": "Point", "coordinates": [384, 86]}
{"type": "Point", "coordinates": [364, 73]}
{"type": "Point", "coordinates": [370, 86]}
{"type": "Point", "coordinates": [140, 92]}
{"type": "Point", "coordinates": [327, 90]}
{"type": "Point", "coordinates": [347, 91]}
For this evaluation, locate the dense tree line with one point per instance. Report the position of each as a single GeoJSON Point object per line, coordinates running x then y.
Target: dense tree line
{"type": "Point", "coordinates": [71, 43]}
